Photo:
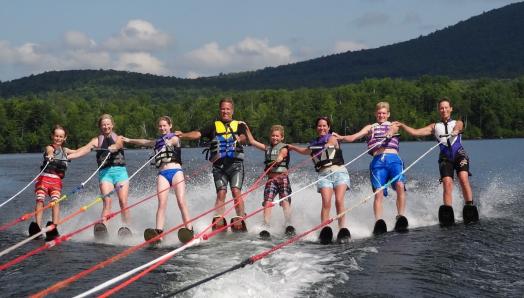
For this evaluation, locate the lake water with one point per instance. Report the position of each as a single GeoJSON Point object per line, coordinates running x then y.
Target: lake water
{"type": "Point", "coordinates": [485, 259]}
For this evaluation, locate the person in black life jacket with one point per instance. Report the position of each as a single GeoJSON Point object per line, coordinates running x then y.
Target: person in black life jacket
{"type": "Point", "coordinates": [452, 158]}
{"type": "Point", "coordinates": [170, 174]}
{"type": "Point", "coordinates": [277, 156]}
{"type": "Point", "coordinates": [383, 144]}
{"type": "Point", "coordinates": [329, 163]}
{"type": "Point", "coordinates": [225, 151]}
{"type": "Point", "coordinates": [113, 173]}
{"type": "Point", "coordinates": [49, 183]}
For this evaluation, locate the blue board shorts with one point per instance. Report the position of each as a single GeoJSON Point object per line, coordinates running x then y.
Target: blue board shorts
{"type": "Point", "coordinates": [113, 175]}
{"type": "Point", "coordinates": [333, 178]}
{"type": "Point", "coordinates": [383, 168]}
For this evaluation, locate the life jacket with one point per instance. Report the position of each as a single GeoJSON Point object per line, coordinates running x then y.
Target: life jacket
{"type": "Point", "coordinates": [168, 153]}
{"type": "Point", "coordinates": [271, 156]}
{"type": "Point", "coordinates": [224, 144]}
{"type": "Point", "coordinates": [58, 165]}
{"type": "Point", "coordinates": [448, 146]}
{"type": "Point", "coordinates": [329, 155]}
{"type": "Point", "coordinates": [378, 134]}
{"type": "Point", "coordinates": [115, 159]}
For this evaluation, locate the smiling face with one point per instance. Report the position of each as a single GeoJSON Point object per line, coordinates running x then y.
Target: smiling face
{"type": "Point", "coordinates": [106, 126]}
{"type": "Point", "coordinates": [276, 137]}
{"type": "Point", "coordinates": [322, 127]}
{"type": "Point", "coordinates": [382, 115]}
{"type": "Point", "coordinates": [164, 127]}
{"type": "Point", "coordinates": [226, 111]}
{"type": "Point", "coordinates": [59, 136]}
{"type": "Point", "coordinates": [445, 109]}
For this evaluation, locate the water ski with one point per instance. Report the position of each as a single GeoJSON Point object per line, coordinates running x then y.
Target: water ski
{"type": "Point", "coordinates": [326, 235]}
{"type": "Point", "coordinates": [218, 222]}
{"type": "Point", "coordinates": [290, 231]}
{"type": "Point", "coordinates": [185, 235]}
{"type": "Point", "coordinates": [152, 233]}
{"type": "Point", "coordinates": [124, 232]}
{"type": "Point", "coordinates": [446, 217]}
{"type": "Point", "coordinates": [343, 236]}
{"type": "Point", "coordinates": [380, 227]}
{"type": "Point", "coordinates": [401, 226]}
{"type": "Point", "coordinates": [51, 235]}
{"type": "Point", "coordinates": [100, 231]}
{"type": "Point", "coordinates": [264, 234]}
{"type": "Point", "coordinates": [470, 214]}
{"type": "Point", "coordinates": [238, 224]}
{"type": "Point", "coordinates": [34, 229]}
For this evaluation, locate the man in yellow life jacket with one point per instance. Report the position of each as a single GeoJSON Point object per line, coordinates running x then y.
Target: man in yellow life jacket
{"type": "Point", "coordinates": [225, 152]}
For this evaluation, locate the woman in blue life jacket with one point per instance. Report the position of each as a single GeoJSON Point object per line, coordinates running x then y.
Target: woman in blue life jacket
{"type": "Point", "coordinates": [113, 173]}
{"type": "Point", "coordinates": [329, 163]}
{"type": "Point", "coordinates": [383, 143]}
{"type": "Point", "coordinates": [452, 158]}
{"type": "Point", "coordinates": [49, 183]}
{"type": "Point", "coordinates": [168, 160]}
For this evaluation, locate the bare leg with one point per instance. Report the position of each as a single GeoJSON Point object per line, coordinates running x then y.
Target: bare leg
{"type": "Point", "coordinates": [267, 212]}
{"type": "Point", "coordinates": [447, 183]}
{"type": "Point", "coordinates": [340, 191]}
{"type": "Point", "coordinates": [286, 208]}
{"type": "Point", "coordinates": [162, 188]}
{"type": "Point", "coordinates": [401, 198]}
{"type": "Point", "coordinates": [326, 194]}
{"type": "Point", "coordinates": [122, 193]}
{"type": "Point", "coordinates": [377, 204]}
{"type": "Point", "coordinates": [221, 198]}
{"type": "Point", "coordinates": [39, 211]}
{"type": "Point", "coordinates": [180, 192]}
{"type": "Point", "coordinates": [466, 187]}
{"type": "Point", "coordinates": [239, 201]}
{"type": "Point", "coordinates": [56, 213]}
{"type": "Point", "coordinates": [106, 188]}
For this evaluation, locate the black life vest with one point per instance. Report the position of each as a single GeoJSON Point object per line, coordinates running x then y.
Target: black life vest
{"type": "Point", "coordinates": [116, 158]}
{"type": "Point", "coordinates": [225, 144]}
{"type": "Point", "coordinates": [168, 153]}
{"type": "Point", "coordinates": [58, 165]}
{"type": "Point", "coordinates": [328, 157]}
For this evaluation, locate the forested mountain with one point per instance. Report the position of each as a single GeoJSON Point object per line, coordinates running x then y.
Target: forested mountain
{"type": "Point", "coordinates": [488, 45]}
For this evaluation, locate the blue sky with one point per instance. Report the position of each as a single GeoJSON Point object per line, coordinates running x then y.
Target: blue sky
{"type": "Point", "coordinates": [206, 37]}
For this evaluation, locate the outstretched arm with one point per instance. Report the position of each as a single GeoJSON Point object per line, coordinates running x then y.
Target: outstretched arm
{"type": "Point", "coordinates": [299, 149]}
{"type": "Point", "coordinates": [139, 142]}
{"type": "Point", "coordinates": [72, 154]}
{"type": "Point", "coordinates": [191, 135]}
{"type": "Point", "coordinates": [351, 138]}
{"type": "Point", "coordinates": [416, 132]}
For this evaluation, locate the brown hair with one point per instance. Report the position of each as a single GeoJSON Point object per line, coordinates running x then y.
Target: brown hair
{"type": "Point", "coordinates": [443, 99]}
{"type": "Point", "coordinates": [277, 127]}
{"type": "Point", "coordinates": [325, 118]}
{"type": "Point", "coordinates": [226, 99]}
{"type": "Point", "coordinates": [165, 118]}
{"type": "Point", "coordinates": [58, 126]}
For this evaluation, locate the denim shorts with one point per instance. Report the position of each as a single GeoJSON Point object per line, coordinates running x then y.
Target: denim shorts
{"type": "Point", "coordinates": [113, 174]}
{"type": "Point", "coordinates": [333, 178]}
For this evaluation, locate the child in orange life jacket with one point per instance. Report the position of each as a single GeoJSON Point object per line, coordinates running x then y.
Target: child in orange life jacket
{"type": "Point", "coordinates": [49, 183]}
{"type": "Point", "coordinates": [277, 156]}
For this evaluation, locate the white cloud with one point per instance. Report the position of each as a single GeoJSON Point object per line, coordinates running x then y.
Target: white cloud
{"type": "Point", "coordinates": [248, 54]}
{"type": "Point", "coordinates": [138, 35]}
{"type": "Point", "coordinates": [78, 40]}
{"type": "Point", "coordinates": [140, 62]}
{"type": "Point", "coordinates": [344, 46]}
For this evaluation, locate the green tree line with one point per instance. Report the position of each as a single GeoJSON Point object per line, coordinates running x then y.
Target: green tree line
{"type": "Point", "coordinates": [491, 109]}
